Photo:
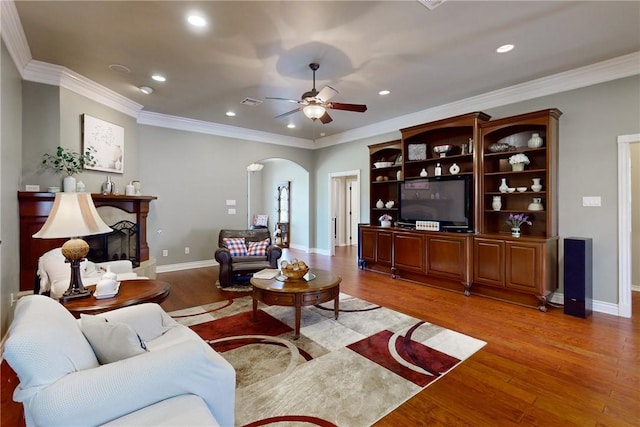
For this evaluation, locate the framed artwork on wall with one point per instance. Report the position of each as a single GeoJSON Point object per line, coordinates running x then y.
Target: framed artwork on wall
{"type": "Point", "coordinates": [106, 142]}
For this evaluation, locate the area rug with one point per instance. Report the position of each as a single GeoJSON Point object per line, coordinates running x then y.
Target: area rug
{"type": "Point", "coordinates": [346, 372]}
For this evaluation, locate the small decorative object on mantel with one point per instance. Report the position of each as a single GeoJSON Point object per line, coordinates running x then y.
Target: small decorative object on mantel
{"type": "Point", "coordinates": [454, 169]}
{"type": "Point", "coordinates": [503, 185]}
{"type": "Point", "coordinates": [417, 151]}
{"type": "Point", "coordinates": [423, 172]}
{"type": "Point", "coordinates": [385, 220]}
{"type": "Point", "coordinates": [379, 204]}
{"type": "Point", "coordinates": [389, 204]}
{"type": "Point", "coordinates": [438, 170]}
{"type": "Point", "coordinates": [536, 204]}
{"type": "Point", "coordinates": [496, 204]}
{"type": "Point", "coordinates": [68, 162]}
{"type": "Point", "coordinates": [515, 221]}
{"type": "Point", "coordinates": [535, 141]}
{"type": "Point", "coordinates": [499, 147]}
{"type": "Point", "coordinates": [518, 161]}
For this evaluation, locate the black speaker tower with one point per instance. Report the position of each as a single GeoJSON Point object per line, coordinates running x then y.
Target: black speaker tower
{"type": "Point", "coordinates": [578, 276]}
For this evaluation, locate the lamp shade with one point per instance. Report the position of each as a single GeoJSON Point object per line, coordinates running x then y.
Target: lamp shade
{"type": "Point", "coordinates": [72, 215]}
{"type": "Point", "coordinates": [314, 111]}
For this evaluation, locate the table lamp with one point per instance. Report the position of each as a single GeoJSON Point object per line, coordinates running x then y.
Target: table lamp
{"type": "Point", "coordinates": [73, 215]}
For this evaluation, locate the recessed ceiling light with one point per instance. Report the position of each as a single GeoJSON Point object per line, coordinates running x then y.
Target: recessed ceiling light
{"type": "Point", "coordinates": [119, 68]}
{"type": "Point", "coordinates": [159, 78]}
{"type": "Point", "coordinates": [146, 90]}
{"type": "Point", "coordinates": [230, 113]}
{"type": "Point", "coordinates": [504, 48]}
{"type": "Point", "coordinates": [384, 92]}
{"type": "Point", "coordinates": [197, 21]}
{"type": "Point", "coordinates": [291, 126]}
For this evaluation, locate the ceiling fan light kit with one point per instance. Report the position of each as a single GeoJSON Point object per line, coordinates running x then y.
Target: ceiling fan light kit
{"type": "Point", "coordinates": [315, 104]}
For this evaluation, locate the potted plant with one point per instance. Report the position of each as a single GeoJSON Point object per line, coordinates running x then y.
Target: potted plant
{"type": "Point", "coordinates": [385, 220]}
{"type": "Point", "coordinates": [515, 221]}
{"type": "Point", "coordinates": [68, 163]}
{"type": "Point", "coordinates": [518, 161]}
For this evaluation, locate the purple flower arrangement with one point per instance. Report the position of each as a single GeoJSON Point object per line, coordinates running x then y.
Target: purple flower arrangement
{"type": "Point", "coordinates": [516, 220]}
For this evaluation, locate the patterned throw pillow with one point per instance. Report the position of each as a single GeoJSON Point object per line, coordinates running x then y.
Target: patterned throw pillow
{"type": "Point", "coordinates": [258, 248]}
{"type": "Point", "coordinates": [236, 245]}
{"type": "Point", "coordinates": [260, 220]}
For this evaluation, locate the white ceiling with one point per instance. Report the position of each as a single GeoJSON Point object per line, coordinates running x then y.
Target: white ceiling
{"type": "Point", "coordinates": [259, 49]}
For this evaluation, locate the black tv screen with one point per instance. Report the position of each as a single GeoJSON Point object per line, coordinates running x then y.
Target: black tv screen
{"type": "Point", "coordinates": [446, 199]}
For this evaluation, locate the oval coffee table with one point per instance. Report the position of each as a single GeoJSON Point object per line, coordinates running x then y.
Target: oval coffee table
{"type": "Point", "coordinates": [325, 286]}
{"type": "Point", "coordinates": [131, 292]}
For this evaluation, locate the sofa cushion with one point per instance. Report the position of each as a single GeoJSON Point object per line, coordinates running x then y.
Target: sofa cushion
{"type": "Point", "coordinates": [111, 341]}
{"type": "Point", "coordinates": [236, 246]}
{"type": "Point", "coordinates": [258, 248]}
{"type": "Point", "coordinates": [31, 338]}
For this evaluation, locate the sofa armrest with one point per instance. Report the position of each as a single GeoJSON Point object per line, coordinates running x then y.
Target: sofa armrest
{"type": "Point", "coordinates": [223, 256]}
{"type": "Point", "coordinates": [118, 267]}
{"type": "Point", "coordinates": [273, 254]}
{"type": "Point", "coordinates": [110, 391]}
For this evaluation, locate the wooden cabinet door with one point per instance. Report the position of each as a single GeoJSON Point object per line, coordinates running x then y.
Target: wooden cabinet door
{"type": "Point", "coordinates": [488, 262]}
{"type": "Point", "coordinates": [409, 252]}
{"type": "Point", "coordinates": [384, 247]}
{"type": "Point", "coordinates": [448, 257]}
{"type": "Point", "coordinates": [368, 249]}
{"type": "Point", "coordinates": [524, 266]}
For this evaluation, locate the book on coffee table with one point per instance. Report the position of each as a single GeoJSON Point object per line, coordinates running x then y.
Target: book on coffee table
{"type": "Point", "coordinates": [267, 273]}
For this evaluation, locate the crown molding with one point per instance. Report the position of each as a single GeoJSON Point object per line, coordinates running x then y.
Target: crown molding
{"type": "Point", "coordinates": [13, 34]}
{"type": "Point", "coordinates": [43, 72]}
{"type": "Point", "coordinates": [200, 126]}
{"type": "Point", "coordinates": [600, 72]}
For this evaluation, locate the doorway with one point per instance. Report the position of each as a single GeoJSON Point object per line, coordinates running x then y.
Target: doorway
{"type": "Point", "coordinates": [344, 209]}
{"type": "Point", "coordinates": [626, 188]}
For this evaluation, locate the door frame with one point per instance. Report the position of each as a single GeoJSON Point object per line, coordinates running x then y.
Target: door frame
{"type": "Point", "coordinates": [331, 176]}
{"type": "Point", "coordinates": [624, 223]}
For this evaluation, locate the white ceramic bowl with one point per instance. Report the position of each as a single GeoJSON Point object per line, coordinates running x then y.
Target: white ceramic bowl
{"type": "Point", "coordinates": [510, 190]}
{"type": "Point", "coordinates": [382, 164]}
{"type": "Point", "coordinates": [521, 189]}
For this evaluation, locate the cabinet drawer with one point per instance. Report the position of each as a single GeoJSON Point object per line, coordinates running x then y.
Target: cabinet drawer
{"type": "Point", "coordinates": [278, 299]}
{"type": "Point", "coordinates": [318, 297]}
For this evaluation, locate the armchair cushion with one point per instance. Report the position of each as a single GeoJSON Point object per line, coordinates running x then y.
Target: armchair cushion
{"type": "Point", "coordinates": [258, 248]}
{"type": "Point", "coordinates": [236, 246]}
{"type": "Point", "coordinates": [111, 341]}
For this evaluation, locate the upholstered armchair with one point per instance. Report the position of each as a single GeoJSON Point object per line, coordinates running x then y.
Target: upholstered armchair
{"type": "Point", "coordinates": [242, 252]}
{"type": "Point", "coordinates": [138, 367]}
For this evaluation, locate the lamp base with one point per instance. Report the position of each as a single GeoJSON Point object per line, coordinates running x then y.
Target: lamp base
{"type": "Point", "coordinates": [74, 251]}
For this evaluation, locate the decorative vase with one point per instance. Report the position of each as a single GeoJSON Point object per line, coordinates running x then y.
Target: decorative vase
{"type": "Point", "coordinates": [69, 184]}
{"type": "Point", "coordinates": [535, 141]}
{"type": "Point", "coordinates": [385, 223]}
{"type": "Point", "coordinates": [423, 172]}
{"type": "Point", "coordinates": [517, 167]}
{"type": "Point", "coordinates": [454, 169]}
{"type": "Point", "coordinates": [536, 204]}
{"type": "Point", "coordinates": [379, 204]}
{"type": "Point", "coordinates": [497, 203]}
{"type": "Point", "coordinates": [515, 231]}
{"type": "Point", "coordinates": [503, 186]}
{"type": "Point", "coordinates": [536, 185]}
{"type": "Point", "coordinates": [399, 175]}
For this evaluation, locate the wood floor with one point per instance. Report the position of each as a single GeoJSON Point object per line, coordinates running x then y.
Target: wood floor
{"type": "Point", "coordinates": [537, 369]}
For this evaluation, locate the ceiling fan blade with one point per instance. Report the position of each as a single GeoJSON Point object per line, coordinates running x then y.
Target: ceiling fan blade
{"type": "Point", "coordinates": [288, 113]}
{"type": "Point", "coordinates": [358, 108]}
{"type": "Point", "coordinates": [326, 118]}
{"type": "Point", "coordinates": [326, 93]}
{"type": "Point", "coordinates": [295, 101]}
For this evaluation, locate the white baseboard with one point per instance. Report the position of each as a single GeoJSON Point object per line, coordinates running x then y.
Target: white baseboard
{"type": "Point", "coordinates": [186, 266]}
{"type": "Point", "coordinates": [599, 306]}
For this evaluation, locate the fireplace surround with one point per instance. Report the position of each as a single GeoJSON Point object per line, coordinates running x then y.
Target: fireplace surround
{"type": "Point", "coordinates": [34, 209]}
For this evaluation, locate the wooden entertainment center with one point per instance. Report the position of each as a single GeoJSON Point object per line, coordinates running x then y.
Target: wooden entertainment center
{"type": "Point", "coordinates": [484, 259]}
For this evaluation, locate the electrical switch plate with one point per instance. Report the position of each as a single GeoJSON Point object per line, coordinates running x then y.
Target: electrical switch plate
{"type": "Point", "coordinates": [231, 202]}
{"type": "Point", "coordinates": [231, 211]}
{"type": "Point", "coordinates": [165, 252]}
{"type": "Point", "coordinates": [592, 201]}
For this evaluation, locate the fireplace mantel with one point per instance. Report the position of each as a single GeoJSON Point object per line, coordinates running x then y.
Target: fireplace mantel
{"type": "Point", "coordinates": [34, 209]}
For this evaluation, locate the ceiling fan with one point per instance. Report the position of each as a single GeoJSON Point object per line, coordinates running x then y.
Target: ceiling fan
{"type": "Point", "coordinates": [315, 104]}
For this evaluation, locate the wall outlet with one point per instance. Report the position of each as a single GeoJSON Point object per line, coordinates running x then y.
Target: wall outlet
{"type": "Point", "coordinates": [165, 252]}
{"type": "Point", "coordinates": [187, 250]}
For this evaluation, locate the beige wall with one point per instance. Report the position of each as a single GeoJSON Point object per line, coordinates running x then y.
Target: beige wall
{"type": "Point", "coordinates": [10, 165]}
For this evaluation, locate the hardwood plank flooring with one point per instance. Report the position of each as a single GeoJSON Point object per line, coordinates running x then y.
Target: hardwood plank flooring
{"type": "Point", "coordinates": [536, 369]}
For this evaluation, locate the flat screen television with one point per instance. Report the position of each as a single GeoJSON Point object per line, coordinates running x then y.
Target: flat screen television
{"type": "Point", "coordinates": [446, 199]}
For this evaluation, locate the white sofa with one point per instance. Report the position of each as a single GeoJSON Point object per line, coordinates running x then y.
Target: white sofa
{"type": "Point", "coordinates": [54, 273]}
{"type": "Point", "coordinates": [178, 380]}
